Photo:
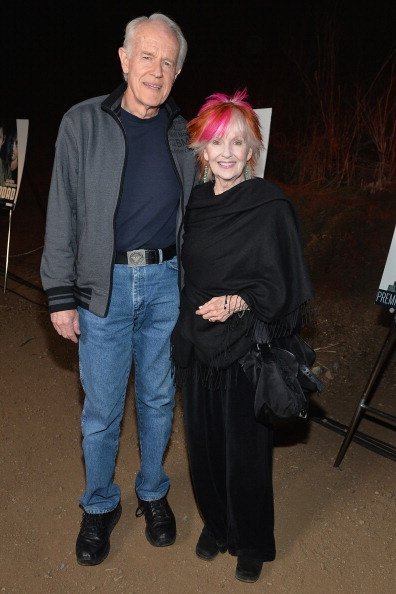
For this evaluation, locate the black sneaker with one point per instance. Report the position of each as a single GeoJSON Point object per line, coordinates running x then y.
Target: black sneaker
{"type": "Point", "coordinates": [93, 541]}
{"type": "Point", "coordinates": [160, 521]}
{"type": "Point", "coordinates": [248, 570]}
{"type": "Point", "coordinates": [207, 546]}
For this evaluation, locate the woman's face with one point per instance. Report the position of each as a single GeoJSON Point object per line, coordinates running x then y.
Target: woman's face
{"type": "Point", "coordinates": [227, 157]}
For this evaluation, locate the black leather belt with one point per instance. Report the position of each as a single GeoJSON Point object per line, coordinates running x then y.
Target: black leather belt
{"type": "Point", "coordinates": [144, 257]}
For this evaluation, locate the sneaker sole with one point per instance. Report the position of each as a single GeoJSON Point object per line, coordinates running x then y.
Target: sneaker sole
{"type": "Point", "coordinates": [247, 580]}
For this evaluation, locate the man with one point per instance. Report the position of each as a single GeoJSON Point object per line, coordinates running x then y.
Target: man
{"type": "Point", "coordinates": [121, 179]}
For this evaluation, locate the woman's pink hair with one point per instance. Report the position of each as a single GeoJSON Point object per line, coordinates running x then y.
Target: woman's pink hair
{"type": "Point", "coordinates": [214, 119]}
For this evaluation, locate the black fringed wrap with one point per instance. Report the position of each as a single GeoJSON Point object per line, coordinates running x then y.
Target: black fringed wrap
{"type": "Point", "coordinates": [245, 241]}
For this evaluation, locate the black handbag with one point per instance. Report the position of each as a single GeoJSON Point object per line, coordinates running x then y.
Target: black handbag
{"type": "Point", "coordinates": [281, 374]}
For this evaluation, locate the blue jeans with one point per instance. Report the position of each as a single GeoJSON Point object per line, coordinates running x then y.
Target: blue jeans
{"type": "Point", "coordinates": [143, 311]}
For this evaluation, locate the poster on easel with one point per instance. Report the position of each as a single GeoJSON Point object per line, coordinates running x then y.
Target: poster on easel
{"type": "Point", "coordinates": [13, 141]}
{"type": "Point", "coordinates": [386, 295]}
{"type": "Point", "coordinates": [264, 116]}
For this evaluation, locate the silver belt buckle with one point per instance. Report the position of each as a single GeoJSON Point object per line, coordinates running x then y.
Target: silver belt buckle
{"type": "Point", "coordinates": [136, 258]}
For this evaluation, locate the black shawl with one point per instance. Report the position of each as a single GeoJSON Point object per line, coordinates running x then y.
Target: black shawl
{"type": "Point", "coordinates": [245, 241]}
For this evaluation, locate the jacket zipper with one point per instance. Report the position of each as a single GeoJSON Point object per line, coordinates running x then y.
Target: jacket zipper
{"type": "Point", "coordinates": [181, 201]}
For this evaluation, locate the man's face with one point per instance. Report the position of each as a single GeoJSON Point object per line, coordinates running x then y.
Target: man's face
{"type": "Point", "coordinates": [150, 68]}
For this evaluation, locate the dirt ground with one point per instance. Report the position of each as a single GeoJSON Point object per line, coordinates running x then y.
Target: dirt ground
{"type": "Point", "coordinates": [335, 527]}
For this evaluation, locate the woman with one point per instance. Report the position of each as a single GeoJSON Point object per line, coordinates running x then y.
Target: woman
{"type": "Point", "coordinates": [245, 282]}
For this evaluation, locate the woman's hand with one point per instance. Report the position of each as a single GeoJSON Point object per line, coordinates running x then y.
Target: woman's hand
{"type": "Point", "coordinates": [219, 309]}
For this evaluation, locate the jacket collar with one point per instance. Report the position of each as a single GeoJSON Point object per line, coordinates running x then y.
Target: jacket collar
{"type": "Point", "coordinates": [113, 102]}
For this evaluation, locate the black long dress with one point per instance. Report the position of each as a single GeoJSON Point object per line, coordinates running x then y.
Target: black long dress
{"type": "Point", "coordinates": [244, 241]}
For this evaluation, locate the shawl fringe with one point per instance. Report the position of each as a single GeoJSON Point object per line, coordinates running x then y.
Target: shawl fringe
{"type": "Point", "coordinates": [219, 372]}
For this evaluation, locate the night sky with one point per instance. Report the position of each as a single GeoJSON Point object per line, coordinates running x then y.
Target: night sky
{"type": "Point", "coordinates": [55, 54]}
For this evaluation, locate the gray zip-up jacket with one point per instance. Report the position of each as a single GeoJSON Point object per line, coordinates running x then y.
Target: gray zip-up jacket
{"type": "Point", "coordinates": [86, 185]}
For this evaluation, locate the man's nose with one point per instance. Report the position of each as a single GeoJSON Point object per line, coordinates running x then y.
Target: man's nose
{"type": "Point", "coordinates": [157, 69]}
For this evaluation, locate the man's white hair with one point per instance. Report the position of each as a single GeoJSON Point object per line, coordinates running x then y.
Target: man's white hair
{"type": "Point", "coordinates": [133, 25]}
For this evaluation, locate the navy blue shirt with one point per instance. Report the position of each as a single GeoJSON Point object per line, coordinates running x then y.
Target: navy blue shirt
{"type": "Point", "coordinates": [146, 215]}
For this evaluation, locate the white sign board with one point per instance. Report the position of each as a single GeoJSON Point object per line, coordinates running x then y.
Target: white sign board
{"type": "Point", "coordinates": [13, 141]}
{"type": "Point", "coordinates": [386, 295]}
{"type": "Point", "coordinates": [264, 116]}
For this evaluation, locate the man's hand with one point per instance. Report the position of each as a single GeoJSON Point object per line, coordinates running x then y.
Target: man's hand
{"type": "Point", "coordinates": [67, 324]}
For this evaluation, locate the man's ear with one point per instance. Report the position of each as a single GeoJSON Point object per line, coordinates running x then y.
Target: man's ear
{"type": "Point", "coordinates": [124, 60]}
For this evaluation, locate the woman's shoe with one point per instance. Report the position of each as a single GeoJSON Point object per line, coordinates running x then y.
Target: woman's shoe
{"type": "Point", "coordinates": [248, 570]}
{"type": "Point", "coordinates": [207, 547]}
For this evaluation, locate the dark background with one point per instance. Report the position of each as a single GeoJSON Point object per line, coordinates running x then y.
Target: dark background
{"type": "Point", "coordinates": [55, 54]}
